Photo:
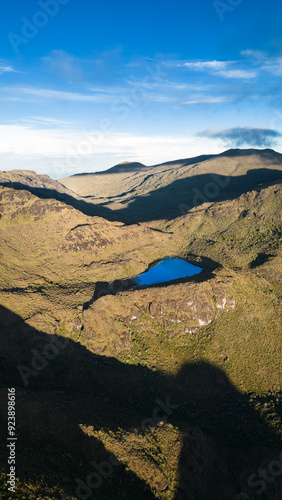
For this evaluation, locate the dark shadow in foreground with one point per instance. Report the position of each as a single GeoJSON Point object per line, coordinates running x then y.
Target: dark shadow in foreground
{"type": "Point", "coordinates": [61, 387]}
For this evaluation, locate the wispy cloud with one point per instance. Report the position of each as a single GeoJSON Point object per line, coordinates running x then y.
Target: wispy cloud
{"type": "Point", "coordinates": [224, 69]}
{"type": "Point", "coordinates": [6, 69]}
{"type": "Point", "coordinates": [238, 73]}
{"type": "Point", "coordinates": [214, 100]}
{"type": "Point", "coordinates": [44, 121]}
{"type": "Point", "coordinates": [60, 95]}
{"type": "Point", "coordinates": [203, 65]}
{"type": "Point", "coordinates": [241, 136]}
{"type": "Point", "coordinates": [66, 65]}
{"type": "Point", "coordinates": [256, 54]}
{"type": "Point", "coordinates": [171, 91]}
{"type": "Point", "coordinates": [16, 99]}
{"type": "Point", "coordinates": [106, 95]}
{"type": "Point", "coordinates": [272, 65]}
{"type": "Point", "coordinates": [107, 89]}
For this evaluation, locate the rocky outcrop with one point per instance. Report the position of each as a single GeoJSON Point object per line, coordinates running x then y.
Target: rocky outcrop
{"type": "Point", "coordinates": [178, 309]}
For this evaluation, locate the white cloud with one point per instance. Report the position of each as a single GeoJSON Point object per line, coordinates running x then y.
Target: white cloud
{"type": "Point", "coordinates": [64, 152]}
{"type": "Point", "coordinates": [105, 95]}
{"type": "Point", "coordinates": [17, 99]}
{"type": "Point", "coordinates": [62, 95]}
{"type": "Point", "coordinates": [107, 90]}
{"type": "Point", "coordinates": [172, 85]}
{"type": "Point", "coordinates": [202, 65]}
{"type": "Point", "coordinates": [273, 66]}
{"type": "Point", "coordinates": [32, 141]}
{"type": "Point", "coordinates": [214, 100]}
{"type": "Point", "coordinates": [220, 68]}
{"type": "Point", "coordinates": [44, 121]}
{"type": "Point", "coordinates": [18, 93]}
{"type": "Point", "coordinates": [6, 69]}
{"type": "Point", "coordinates": [238, 73]}
{"type": "Point", "coordinates": [257, 54]}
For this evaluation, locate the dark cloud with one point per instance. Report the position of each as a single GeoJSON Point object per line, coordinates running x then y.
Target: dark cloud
{"type": "Point", "coordinates": [242, 136]}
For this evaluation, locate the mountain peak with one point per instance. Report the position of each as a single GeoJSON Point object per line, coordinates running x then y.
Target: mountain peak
{"type": "Point", "coordinates": [125, 166]}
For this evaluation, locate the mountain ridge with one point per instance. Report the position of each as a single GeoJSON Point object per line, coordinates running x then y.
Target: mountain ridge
{"type": "Point", "coordinates": [164, 189]}
{"type": "Point", "coordinates": [229, 152]}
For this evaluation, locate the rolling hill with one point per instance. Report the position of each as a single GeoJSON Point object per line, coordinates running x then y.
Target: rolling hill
{"type": "Point", "coordinates": [139, 193]}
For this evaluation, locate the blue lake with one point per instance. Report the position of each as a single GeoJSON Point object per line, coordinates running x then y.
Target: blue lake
{"type": "Point", "coordinates": [167, 270]}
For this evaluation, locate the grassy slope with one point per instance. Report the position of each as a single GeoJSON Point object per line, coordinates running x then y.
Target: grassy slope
{"type": "Point", "coordinates": [168, 190]}
{"type": "Point", "coordinates": [48, 282]}
{"type": "Point", "coordinates": [129, 183]}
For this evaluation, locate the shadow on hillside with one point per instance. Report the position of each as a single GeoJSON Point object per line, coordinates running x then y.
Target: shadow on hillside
{"type": "Point", "coordinates": [103, 288]}
{"type": "Point", "coordinates": [170, 201]}
{"type": "Point", "coordinates": [224, 438]}
{"type": "Point", "coordinates": [182, 195]}
{"type": "Point", "coordinates": [87, 208]}
{"type": "Point", "coordinates": [261, 259]}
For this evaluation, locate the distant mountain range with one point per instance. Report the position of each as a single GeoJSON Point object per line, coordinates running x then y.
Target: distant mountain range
{"type": "Point", "coordinates": [133, 192]}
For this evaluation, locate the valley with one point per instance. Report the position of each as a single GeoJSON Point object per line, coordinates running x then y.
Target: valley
{"type": "Point", "coordinates": [169, 391]}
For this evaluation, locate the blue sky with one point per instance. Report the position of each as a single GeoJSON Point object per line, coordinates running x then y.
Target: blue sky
{"type": "Point", "coordinates": [85, 85]}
